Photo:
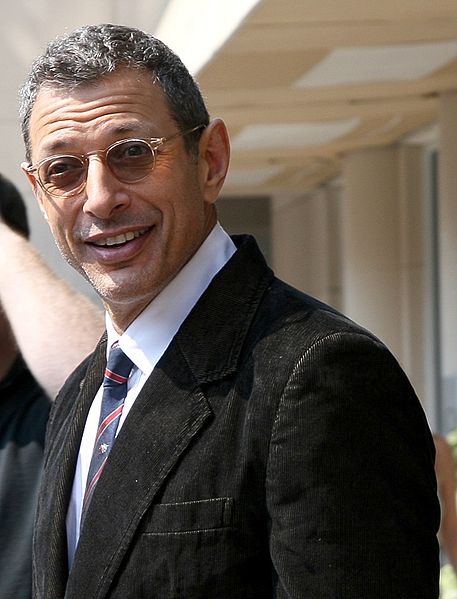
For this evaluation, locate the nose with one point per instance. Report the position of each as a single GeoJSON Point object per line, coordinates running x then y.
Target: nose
{"type": "Point", "coordinates": [104, 194]}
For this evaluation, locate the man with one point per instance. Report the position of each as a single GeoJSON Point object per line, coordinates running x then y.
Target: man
{"type": "Point", "coordinates": [267, 446]}
{"type": "Point", "coordinates": [39, 313]}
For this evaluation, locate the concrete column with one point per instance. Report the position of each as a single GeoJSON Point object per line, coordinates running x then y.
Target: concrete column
{"type": "Point", "coordinates": [301, 247]}
{"type": "Point", "coordinates": [447, 224]}
{"type": "Point", "coordinates": [371, 243]}
{"type": "Point", "coordinates": [334, 244]}
{"type": "Point", "coordinates": [386, 267]}
{"type": "Point", "coordinates": [416, 277]}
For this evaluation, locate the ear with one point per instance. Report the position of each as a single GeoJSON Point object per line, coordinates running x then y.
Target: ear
{"type": "Point", "coordinates": [214, 158]}
{"type": "Point", "coordinates": [35, 188]}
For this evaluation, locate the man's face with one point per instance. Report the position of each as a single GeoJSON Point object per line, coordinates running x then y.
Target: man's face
{"type": "Point", "coordinates": [128, 240]}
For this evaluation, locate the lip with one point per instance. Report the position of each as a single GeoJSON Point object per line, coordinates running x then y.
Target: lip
{"type": "Point", "coordinates": [118, 246]}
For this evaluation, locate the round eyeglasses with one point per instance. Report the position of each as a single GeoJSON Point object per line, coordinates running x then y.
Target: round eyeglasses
{"type": "Point", "coordinates": [129, 160]}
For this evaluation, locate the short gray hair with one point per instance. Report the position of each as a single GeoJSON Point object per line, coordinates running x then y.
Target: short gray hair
{"type": "Point", "coordinates": [94, 51]}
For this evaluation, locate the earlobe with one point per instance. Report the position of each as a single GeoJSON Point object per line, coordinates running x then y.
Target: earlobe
{"type": "Point", "coordinates": [214, 158]}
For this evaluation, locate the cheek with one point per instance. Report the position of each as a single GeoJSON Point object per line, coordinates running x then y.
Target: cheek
{"type": "Point", "coordinates": [60, 223]}
{"type": "Point", "coordinates": [41, 201]}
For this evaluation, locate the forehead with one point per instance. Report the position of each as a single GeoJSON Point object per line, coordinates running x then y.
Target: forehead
{"type": "Point", "coordinates": [128, 101]}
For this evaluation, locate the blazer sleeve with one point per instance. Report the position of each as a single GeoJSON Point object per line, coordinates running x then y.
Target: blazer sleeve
{"type": "Point", "coordinates": [350, 486]}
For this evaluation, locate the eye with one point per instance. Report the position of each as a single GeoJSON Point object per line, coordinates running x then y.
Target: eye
{"type": "Point", "coordinates": [131, 160]}
{"type": "Point", "coordinates": [131, 150]}
{"type": "Point", "coordinates": [57, 167]}
{"type": "Point", "coordinates": [62, 172]}
{"type": "Point", "coordinates": [136, 149]}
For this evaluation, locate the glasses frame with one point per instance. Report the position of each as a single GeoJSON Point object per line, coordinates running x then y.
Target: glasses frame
{"type": "Point", "coordinates": [154, 144]}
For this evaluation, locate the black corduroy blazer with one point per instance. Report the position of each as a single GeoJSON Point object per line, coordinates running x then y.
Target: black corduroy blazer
{"type": "Point", "coordinates": [276, 451]}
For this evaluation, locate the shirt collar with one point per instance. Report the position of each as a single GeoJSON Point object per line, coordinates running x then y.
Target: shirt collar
{"type": "Point", "coordinates": [148, 336]}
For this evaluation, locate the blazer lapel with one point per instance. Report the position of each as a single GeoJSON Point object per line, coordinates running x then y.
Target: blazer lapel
{"type": "Point", "coordinates": [50, 547]}
{"type": "Point", "coordinates": [212, 337]}
{"type": "Point", "coordinates": [166, 416]}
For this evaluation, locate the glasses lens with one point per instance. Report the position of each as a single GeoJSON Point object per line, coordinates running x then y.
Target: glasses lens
{"type": "Point", "coordinates": [61, 175]}
{"type": "Point", "coordinates": [130, 160]}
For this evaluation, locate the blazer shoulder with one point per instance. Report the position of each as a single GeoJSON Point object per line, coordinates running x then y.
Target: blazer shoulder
{"type": "Point", "coordinates": [297, 314]}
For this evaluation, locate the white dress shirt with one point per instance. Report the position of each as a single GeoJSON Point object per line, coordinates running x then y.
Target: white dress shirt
{"type": "Point", "coordinates": [144, 342]}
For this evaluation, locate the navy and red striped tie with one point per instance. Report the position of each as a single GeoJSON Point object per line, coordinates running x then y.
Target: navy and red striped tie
{"type": "Point", "coordinates": [117, 373]}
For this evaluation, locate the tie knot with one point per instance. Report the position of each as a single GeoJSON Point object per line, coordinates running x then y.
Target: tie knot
{"type": "Point", "coordinates": [118, 367]}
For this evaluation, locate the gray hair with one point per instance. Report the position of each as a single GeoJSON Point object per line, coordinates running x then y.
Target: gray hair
{"type": "Point", "coordinates": [94, 51]}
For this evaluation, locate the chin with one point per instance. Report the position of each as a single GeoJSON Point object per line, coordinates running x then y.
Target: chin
{"type": "Point", "coordinates": [121, 290]}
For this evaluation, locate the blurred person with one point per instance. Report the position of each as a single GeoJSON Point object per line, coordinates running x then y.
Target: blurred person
{"type": "Point", "coordinates": [445, 473]}
{"type": "Point", "coordinates": [230, 436]}
{"type": "Point", "coordinates": [41, 342]}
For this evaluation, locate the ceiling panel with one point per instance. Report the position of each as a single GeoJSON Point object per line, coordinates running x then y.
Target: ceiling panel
{"type": "Point", "coordinates": [394, 60]}
{"type": "Point", "coordinates": [248, 71]}
{"type": "Point", "coordinates": [371, 64]}
{"type": "Point", "coordinates": [277, 36]}
{"type": "Point", "coordinates": [293, 11]}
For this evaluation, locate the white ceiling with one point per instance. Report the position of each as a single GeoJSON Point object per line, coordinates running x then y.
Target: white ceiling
{"type": "Point", "coordinates": [372, 64]}
{"type": "Point", "coordinates": [303, 82]}
{"type": "Point", "coordinates": [299, 82]}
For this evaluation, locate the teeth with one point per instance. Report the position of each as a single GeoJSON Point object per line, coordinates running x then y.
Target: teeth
{"type": "Point", "coordinates": [118, 239]}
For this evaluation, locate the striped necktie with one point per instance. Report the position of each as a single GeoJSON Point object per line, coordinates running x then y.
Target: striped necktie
{"type": "Point", "coordinates": [115, 380]}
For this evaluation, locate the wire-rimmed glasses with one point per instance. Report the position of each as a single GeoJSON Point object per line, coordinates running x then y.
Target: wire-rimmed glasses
{"type": "Point", "coordinates": [129, 160]}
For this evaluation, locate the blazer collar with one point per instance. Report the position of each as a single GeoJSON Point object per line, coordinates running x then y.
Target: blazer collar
{"type": "Point", "coordinates": [212, 336]}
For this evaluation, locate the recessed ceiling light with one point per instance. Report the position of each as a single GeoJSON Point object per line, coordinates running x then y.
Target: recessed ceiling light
{"type": "Point", "coordinates": [379, 63]}
{"type": "Point", "coordinates": [292, 135]}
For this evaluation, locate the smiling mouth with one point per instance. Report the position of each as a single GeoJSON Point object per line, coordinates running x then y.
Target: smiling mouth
{"type": "Point", "coordinates": [119, 239]}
